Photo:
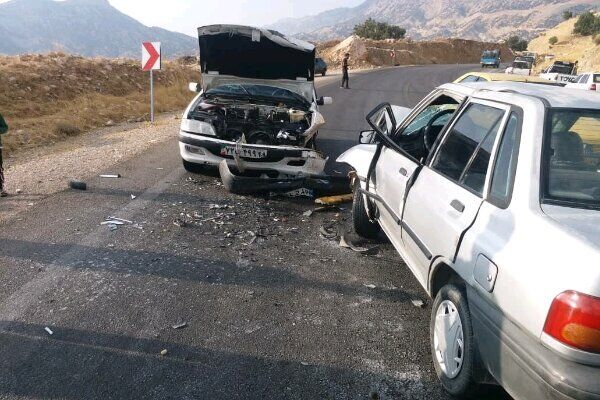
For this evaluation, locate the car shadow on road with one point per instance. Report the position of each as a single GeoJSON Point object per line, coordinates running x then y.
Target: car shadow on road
{"type": "Point", "coordinates": [82, 364]}
{"type": "Point", "coordinates": [188, 268]}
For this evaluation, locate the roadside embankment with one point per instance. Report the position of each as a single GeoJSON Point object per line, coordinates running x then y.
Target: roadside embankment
{"type": "Point", "coordinates": [367, 53]}
{"type": "Point", "coordinates": [46, 98]}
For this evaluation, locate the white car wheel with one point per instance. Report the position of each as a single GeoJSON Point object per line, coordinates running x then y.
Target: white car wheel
{"type": "Point", "coordinates": [448, 339]}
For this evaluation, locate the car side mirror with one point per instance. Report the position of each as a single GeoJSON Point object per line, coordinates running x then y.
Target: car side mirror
{"type": "Point", "coordinates": [194, 87]}
{"type": "Point", "coordinates": [382, 119]}
{"type": "Point", "coordinates": [323, 101]}
{"type": "Point", "coordinates": [366, 137]}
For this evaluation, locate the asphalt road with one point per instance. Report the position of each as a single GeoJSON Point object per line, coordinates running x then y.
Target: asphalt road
{"type": "Point", "coordinates": [273, 310]}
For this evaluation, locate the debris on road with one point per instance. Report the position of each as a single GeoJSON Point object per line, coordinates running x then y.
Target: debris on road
{"type": "Point", "coordinates": [370, 286]}
{"type": "Point", "coordinates": [334, 200]}
{"type": "Point", "coordinates": [327, 233]}
{"type": "Point", "coordinates": [78, 185]}
{"type": "Point", "coordinates": [180, 325]}
{"type": "Point", "coordinates": [164, 352]}
{"type": "Point", "coordinates": [133, 197]}
{"type": "Point", "coordinates": [180, 223]}
{"type": "Point", "coordinates": [120, 219]}
{"type": "Point", "coordinates": [305, 186]}
{"type": "Point", "coordinates": [110, 176]}
{"type": "Point", "coordinates": [49, 331]}
{"type": "Point", "coordinates": [307, 213]}
{"type": "Point", "coordinates": [418, 303]}
{"type": "Point", "coordinates": [113, 222]}
{"type": "Point", "coordinates": [348, 245]}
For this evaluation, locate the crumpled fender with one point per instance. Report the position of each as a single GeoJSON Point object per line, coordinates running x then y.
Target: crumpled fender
{"type": "Point", "coordinates": [359, 158]}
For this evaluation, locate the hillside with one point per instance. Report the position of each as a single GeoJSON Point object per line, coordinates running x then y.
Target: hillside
{"type": "Point", "coordinates": [488, 20]}
{"type": "Point", "coordinates": [568, 48]}
{"type": "Point", "coordinates": [376, 53]}
{"type": "Point", "coordinates": [84, 27]}
{"type": "Point", "coordinates": [48, 97]}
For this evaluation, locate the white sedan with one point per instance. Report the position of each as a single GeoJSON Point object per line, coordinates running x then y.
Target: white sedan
{"type": "Point", "coordinates": [587, 81]}
{"type": "Point", "coordinates": [490, 192]}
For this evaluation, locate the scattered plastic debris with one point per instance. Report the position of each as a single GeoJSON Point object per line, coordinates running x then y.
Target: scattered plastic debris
{"type": "Point", "coordinates": [110, 176]}
{"type": "Point", "coordinates": [370, 286]}
{"type": "Point", "coordinates": [307, 213]}
{"type": "Point", "coordinates": [120, 219]}
{"type": "Point", "coordinates": [133, 197]}
{"type": "Point", "coordinates": [164, 352]}
{"type": "Point", "coordinates": [49, 331]}
{"type": "Point", "coordinates": [418, 303]}
{"type": "Point", "coordinates": [180, 325]}
{"type": "Point", "coordinates": [78, 185]}
{"type": "Point", "coordinates": [334, 200]}
{"type": "Point", "coordinates": [180, 223]}
{"type": "Point", "coordinates": [348, 245]}
{"type": "Point", "coordinates": [327, 233]}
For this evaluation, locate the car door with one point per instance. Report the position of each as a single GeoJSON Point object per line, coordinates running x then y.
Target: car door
{"type": "Point", "coordinates": [445, 197]}
{"type": "Point", "coordinates": [396, 165]}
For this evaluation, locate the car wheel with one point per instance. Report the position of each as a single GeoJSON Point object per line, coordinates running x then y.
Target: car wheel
{"type": "Point", "coordinates": [192, 167]}
{"type": "Point", "coordinates": [324, 73]}
{"type": "Point", "coordinates": [362, 225]}
{"type": "Point", "coordinates": [452, 343]}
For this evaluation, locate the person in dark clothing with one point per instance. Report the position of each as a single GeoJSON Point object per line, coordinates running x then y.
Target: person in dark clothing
{"type": "Point", "coordinates": [345, 76]}
{"type": "Point", "coordinates": [3, 130]}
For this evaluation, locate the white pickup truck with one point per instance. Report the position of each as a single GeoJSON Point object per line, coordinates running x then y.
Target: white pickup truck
{"type": "Point", "coordinates": [561, 72]}
{"type": "Point", "coordinates": [490, 192]}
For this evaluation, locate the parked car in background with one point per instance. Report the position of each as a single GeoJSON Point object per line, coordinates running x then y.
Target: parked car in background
{"type": "Point", "coordinates": [257, 107]}
{"type": "Point", "coordinates": [496, 76]}
{"type": "Point", "coordinates": [587, 81]}
{"type": "Point", "coordinates": [520, 66]}
{"type": "Point", "coordinates": [560, 71]}
{"type": "Point", "coordinates": [490, 58]}
{"type": "Point", "coordinates": [320, 67]}
{"type": "Point", "coordinates": [490, 192]}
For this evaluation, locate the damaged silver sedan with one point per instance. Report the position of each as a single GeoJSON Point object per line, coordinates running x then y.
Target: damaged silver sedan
{"type": "Point", "coordinates": [257, 108]}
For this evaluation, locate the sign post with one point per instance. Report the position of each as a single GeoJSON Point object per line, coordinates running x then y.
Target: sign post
{"type": "Point", "coordinates": [151, 60]}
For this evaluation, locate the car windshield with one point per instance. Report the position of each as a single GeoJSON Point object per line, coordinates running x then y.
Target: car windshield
{"type": "Point", "coordinates": [572, 158]}
{"type": "Point", "coordinates": [256, 91]}
{"type": "Point", "coordinates": [561, 69]}
{"type": "Point", "coordinates": [521, 65]}
{"type": "Point", "coordinates": [489, 54]}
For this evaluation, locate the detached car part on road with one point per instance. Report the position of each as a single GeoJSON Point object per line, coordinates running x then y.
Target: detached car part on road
{"type": "Point", "coordinates": [257, 107]}
{"type": "Point", "coordinates": [491, 194]}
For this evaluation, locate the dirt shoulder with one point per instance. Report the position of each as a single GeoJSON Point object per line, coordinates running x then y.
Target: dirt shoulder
{"type": "Point", "coordinates": [34, 173]}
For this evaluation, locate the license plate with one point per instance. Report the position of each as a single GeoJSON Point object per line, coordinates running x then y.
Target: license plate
{"type": "Point", "coordinates": [243, 152]}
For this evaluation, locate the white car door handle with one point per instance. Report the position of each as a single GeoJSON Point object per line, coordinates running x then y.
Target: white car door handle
{"type": "Point", "coordinates": [458, 206]}
{"type": "Point", "coordinates": [403, 172]}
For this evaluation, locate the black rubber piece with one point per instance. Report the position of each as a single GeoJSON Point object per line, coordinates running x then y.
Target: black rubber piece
{"type": "Point", "coordinates": [78, 185]}
{"type": "Point", "coordinates": [362, 224]}
{"type": "Point", "coordinates": [192, 167]}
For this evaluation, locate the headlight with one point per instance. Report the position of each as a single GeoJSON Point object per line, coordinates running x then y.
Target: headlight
{"type": "Point", "coordinates": [199, 127]}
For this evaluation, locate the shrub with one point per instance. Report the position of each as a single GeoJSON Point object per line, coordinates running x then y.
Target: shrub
{"type": "Point", "coordinates": [597, 39]}
{"type": "Point", "coordinates": [516, 43]}
{"type": "Point", "coordinates": [371, 29]}
{"type": "Point", "coordinates": [553, 40]}
{"type": "Point", "coordinates": [567, 15]}
{"type": "Point", "coordinates": [587, 24]}
{"type": "Point", "coordinates": [66, 129]}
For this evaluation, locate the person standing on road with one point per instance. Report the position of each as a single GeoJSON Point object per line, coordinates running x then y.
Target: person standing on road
{"type": "Point", "coordinates": [345, 76]}
{"type": "Point", "coordinates": [3, 130]}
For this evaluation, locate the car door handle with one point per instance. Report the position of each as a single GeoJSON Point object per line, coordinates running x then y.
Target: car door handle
{"type": "Point", "coordinates": [403, 172]}
{"type": "Point", "coordinates": [458, 206]}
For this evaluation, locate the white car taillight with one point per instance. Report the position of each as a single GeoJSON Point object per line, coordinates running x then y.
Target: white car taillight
{"type": "Point", "coordinates": [574, 320]}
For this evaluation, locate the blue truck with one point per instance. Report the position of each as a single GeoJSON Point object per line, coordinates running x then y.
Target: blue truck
{"type": "Point", "coordinates": [490, 58]}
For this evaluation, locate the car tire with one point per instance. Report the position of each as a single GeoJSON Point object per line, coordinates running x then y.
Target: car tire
{"type": "Point", "coordinates": [362, 224]}
{"type": "Point", "coordinates": [323, 73]}
{"type": "Point", "coordinates": [451, 302]}
{"type": "Point", "coordinates": [192, 167]}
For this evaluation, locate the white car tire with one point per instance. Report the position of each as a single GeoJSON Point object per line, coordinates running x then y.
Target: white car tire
{"type": "Point", "coordinates": [452, 342]}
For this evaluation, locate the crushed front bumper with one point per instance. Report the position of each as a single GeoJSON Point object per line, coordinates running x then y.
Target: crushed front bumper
{"type": "Point", "coordinates": [278, 160]}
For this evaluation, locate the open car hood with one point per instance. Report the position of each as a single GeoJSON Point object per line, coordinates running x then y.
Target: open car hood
{"type": "Point", "coordinates": [254, 53]}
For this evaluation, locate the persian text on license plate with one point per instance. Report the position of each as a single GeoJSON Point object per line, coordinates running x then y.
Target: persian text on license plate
{"type": "Point", "coordinates": [243, 152]}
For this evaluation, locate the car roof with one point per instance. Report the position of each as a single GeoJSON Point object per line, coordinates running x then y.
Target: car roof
{"type": "Point", "coordinates": [498, 76]}
{"type": "Point", "coordinates": [556, 96]}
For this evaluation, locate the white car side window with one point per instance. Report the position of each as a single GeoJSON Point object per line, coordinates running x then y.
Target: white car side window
{"type": "Point", "coordinates": [465, 154]}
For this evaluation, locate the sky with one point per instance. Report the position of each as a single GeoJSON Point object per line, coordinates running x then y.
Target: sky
{"type": "Point", "coordinates": [187, 15]}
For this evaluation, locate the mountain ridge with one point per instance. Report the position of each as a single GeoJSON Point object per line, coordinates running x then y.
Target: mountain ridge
{"type": "Point", "coordinates": [83, 27]}
{"type": "Point", "coordinates": [488, 20]}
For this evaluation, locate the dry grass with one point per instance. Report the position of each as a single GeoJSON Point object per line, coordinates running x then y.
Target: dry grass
{"type": "Point", "coordinates": [46, 98]}
{"type": "Point", "coordinates": [569, 47]}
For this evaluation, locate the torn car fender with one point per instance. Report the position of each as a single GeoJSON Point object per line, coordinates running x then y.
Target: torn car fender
{"type": "Point", "coordinates": [359, 158]}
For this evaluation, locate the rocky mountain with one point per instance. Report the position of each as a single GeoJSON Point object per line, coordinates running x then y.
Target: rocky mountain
{"type": "Point", "coordinates": [84, 27]}
{"type": "Point", "coordinates": [470, 19]}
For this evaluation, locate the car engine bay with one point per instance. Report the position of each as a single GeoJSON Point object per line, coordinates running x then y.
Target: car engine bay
{"type": "Point", "coordinates": [255, 123]}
